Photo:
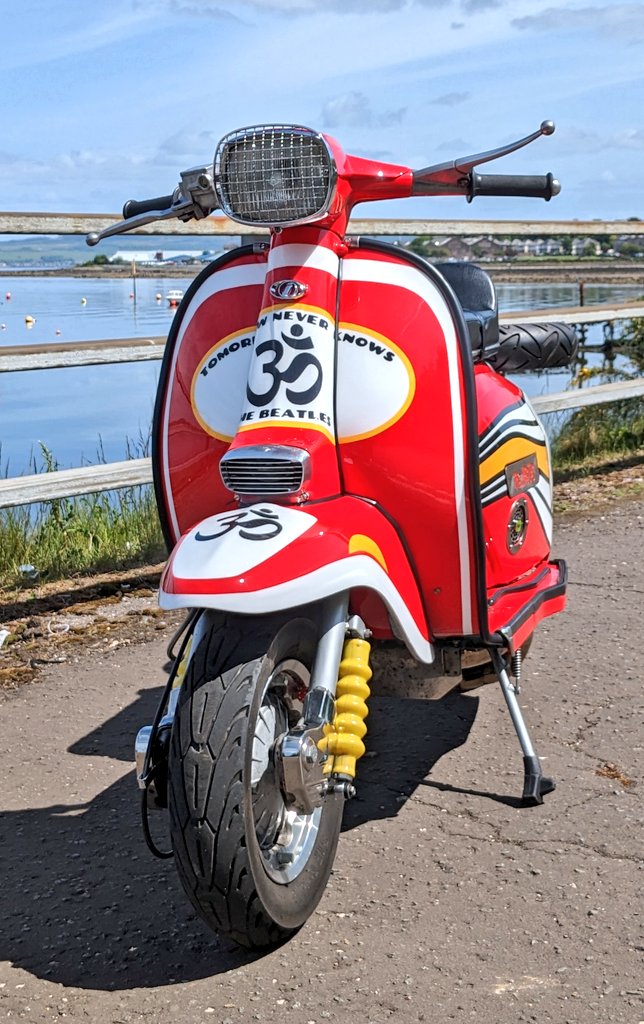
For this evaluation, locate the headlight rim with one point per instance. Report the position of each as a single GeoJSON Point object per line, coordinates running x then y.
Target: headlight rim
{"type": "Point", "coordinates": [240, 133]}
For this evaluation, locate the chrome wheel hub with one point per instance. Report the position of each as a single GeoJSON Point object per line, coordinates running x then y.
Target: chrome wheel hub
{"type": "Point", "coordinates": [286, 836]}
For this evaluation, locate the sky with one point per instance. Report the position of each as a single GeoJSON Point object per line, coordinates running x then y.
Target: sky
{"type": "Point", "coordinates": [105, 101]}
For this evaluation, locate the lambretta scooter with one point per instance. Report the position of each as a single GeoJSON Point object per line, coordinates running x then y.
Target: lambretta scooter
{"type": "Point", "coordinates": [340, 467]}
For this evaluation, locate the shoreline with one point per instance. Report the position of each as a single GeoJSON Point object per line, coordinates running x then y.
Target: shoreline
{"type": "Point", "coordinates": [591, 272]}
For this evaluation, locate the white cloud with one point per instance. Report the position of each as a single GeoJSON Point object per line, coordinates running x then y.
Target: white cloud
{"type": "Point", "coordinates": [451, 99]}
{"type": "Point", "coordinates": [91, 33]}
{"type": "Point", "coordinates": [195, 146]}
{"type": "Point", "coordinates": [623, 20]}
{"type": "Point", "coordinates": [353, 109]}
{"type": "Point", "coordinates": [240, 10]}
{"type": "Point", "coordinates": [630, 138]}
{"type": "Point", "coordinates": [454, 146]}
{"type": "Point", "coordinates": [478, 6]}
{"type": "Point", "coordinates": [580, 140]}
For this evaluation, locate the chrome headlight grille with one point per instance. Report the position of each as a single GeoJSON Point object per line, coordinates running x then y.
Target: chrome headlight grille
{"type": "Point", "coordinates": [264, 470]}
{"type": "Point", "coordinates": [274, 174]}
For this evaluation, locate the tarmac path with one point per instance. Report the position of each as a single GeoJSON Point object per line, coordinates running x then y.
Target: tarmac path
{"type": "Point", "coordinates": [448, 902]}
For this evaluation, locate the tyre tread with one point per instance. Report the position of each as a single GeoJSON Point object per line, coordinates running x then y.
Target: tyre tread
{"type": "Point", "coordinates": [532, 346]}
{"type": "Point", "coordinates": [220, 884]}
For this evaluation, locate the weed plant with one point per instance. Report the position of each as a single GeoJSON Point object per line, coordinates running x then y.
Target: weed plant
{"type": "Point", "coordinates": [74, 536]}
{"type": "Point", "coordinates": [600, 431]}
{"type": "Point", "coordinates": [616, 428]}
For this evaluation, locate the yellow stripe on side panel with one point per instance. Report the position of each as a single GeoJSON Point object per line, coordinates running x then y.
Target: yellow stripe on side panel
{"type": "Point", "coordinates": [513, 450]}
{"type": "Point", "coordinates": [359, 543]}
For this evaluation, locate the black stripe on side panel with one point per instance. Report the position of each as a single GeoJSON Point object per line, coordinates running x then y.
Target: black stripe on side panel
{"type": "Point", "coordinates": [535, 505]}
{"type": "Point", "coordinates": [497, 419]}
{"type": "Point", "coordinates": [157, 475]}
{"type": "Point", "coordinates": [514, 431]}
{"type": "Point", "coordinates": [471, 433]}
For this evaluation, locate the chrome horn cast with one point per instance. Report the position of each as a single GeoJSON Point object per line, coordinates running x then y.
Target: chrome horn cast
{"type": "Point", "coordinates": [288, 291]}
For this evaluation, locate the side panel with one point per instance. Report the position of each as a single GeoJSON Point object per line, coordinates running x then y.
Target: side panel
{"type": "Point", "coordinates": [202, 388]}
{"type": "Point", "coordinates": [523, 585]}
{"type": "Point", "coordinates": [515, 478]}
{"type": "Point", "coordinates": [402, 414]}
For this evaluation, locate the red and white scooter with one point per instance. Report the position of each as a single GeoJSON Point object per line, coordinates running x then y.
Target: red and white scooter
{"type": "Point", "coordinates": [340, 467]}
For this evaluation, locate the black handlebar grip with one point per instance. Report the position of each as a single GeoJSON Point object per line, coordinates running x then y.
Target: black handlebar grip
{"type": "Point", "coordinates": [133, 207]}
{"type": "Point", "coordinates": [537, 186]}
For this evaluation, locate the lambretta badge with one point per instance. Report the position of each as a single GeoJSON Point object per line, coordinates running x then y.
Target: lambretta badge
{"type": "Point", "coordinates": [288, 291]}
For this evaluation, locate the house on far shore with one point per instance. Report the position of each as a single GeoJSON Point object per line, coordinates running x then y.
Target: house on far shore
{"type": "Point", "coordinates": [476, 247]}
{"type": "Point", "coordinates": [158, 257]}
{"type": "Point", "coordinates": [487, 247]}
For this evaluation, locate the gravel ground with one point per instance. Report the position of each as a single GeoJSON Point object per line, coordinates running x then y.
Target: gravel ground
{"type": "Point", "coordinates": [447, 902]}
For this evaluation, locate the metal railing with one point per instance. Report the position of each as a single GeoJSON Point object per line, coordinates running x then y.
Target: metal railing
{"type": "Point", "coordinates": [67, 483]}
{"type": "Point", "coordinates": [84, 223]}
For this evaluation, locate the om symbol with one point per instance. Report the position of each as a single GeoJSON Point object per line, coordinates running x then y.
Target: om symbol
{"type": "Point", "coordinates": [253, 524]}
{"type": "Point", "coordinates": [298, 365]}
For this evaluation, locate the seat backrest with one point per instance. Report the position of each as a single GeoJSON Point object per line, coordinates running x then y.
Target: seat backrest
{"type": "Point", "coordinates": [473, 287]}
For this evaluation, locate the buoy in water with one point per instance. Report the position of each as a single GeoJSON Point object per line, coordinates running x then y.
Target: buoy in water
{"type": "Point", "coordinates": [3, 327]}
{"type": "Point", "coordinates": [30, 320]}
{"type": "Point", "coordinates": [8, 296]}
{"type": "Point", "coordinates": [83, 302]}
{"type": "Point", "coordinates": [57, 331]}
{"type": "Point", "coordinates": [131, 295]}
{"type": "Point", "coordinates": [158, 296]}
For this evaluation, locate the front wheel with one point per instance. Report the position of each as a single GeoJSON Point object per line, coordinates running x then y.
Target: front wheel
{"type": "Point", "coordinates": [253, 866]}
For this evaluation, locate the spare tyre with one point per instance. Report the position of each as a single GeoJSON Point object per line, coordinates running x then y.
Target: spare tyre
{"type": "Point", "coordinates": [524, 347]}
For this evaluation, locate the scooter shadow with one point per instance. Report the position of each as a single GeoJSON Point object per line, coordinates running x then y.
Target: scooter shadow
{"type": "Point", "coordinates": [86, 905]}
{"type": "Point", "coordinates": [84, 902]}
{"type": "Point", "coordinates": [405, 739]}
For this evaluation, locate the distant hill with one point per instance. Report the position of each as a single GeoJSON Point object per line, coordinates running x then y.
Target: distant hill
{"type": "Point", "coordinates": [64, 250]}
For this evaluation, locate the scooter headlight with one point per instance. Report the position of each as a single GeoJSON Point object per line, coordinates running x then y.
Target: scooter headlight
{"type": "Point", "coordinates": [274, 174]}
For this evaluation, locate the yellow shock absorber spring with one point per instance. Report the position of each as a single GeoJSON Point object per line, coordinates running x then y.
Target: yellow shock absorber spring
{"type": "Point", "coordinates": [343, 742]}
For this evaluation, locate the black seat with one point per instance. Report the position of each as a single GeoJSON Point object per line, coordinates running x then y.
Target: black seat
{"type": "Point", "coordinates": [476, 294]}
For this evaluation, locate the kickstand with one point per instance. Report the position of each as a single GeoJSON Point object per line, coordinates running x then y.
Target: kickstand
{"type": "Point", "coordinates": [535, 784]}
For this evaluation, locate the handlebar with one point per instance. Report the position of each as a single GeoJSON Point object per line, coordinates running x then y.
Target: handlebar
{"type": "Point", "coordinates": [134, 207]}
{"type": "Point", "coordinates": [537, 186]}
{"type": "Point", "coordinates": [196, 195]}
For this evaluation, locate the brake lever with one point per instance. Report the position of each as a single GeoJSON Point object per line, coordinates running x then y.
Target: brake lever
{"type": "Point", "coordinates": [139, 221]}
{"type": "Point", "coordinates": [193, 199]}
{"type": "Point", "coordinates": [452, 178]}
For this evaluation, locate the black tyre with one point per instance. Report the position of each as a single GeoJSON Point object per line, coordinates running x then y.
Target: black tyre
{"type": "Point", "coordinates": [253, 867]}
{"type": "Point", "coordinates": [532, 347]}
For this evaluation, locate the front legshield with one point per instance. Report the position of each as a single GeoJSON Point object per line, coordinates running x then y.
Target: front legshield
{"type": "Point", "coordinates": [266, 558]}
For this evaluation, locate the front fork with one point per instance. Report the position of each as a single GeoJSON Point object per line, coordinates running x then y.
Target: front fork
{"type": "Point", "coordinates": [319, 756]}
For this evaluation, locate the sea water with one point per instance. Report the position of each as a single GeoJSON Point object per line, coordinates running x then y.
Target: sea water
{"type": "Point", "coordinates": [78, 412]}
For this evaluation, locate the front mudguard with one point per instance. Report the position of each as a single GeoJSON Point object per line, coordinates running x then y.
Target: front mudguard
{"type": "Point", "coordinates": [265, 558]}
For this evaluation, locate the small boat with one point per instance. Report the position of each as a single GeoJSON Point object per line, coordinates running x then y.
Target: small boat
{"type": "Point", "coordinates": [174, 296]}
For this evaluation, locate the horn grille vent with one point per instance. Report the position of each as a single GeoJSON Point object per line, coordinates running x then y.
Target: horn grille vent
{"type": "Point", "coordinates": [265, 470]}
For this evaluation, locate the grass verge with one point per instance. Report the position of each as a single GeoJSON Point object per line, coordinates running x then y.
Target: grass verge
{"type": "Point", "coordinates": [598, 456]}
{"type": "Point", "coordinates": [74, 536]}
